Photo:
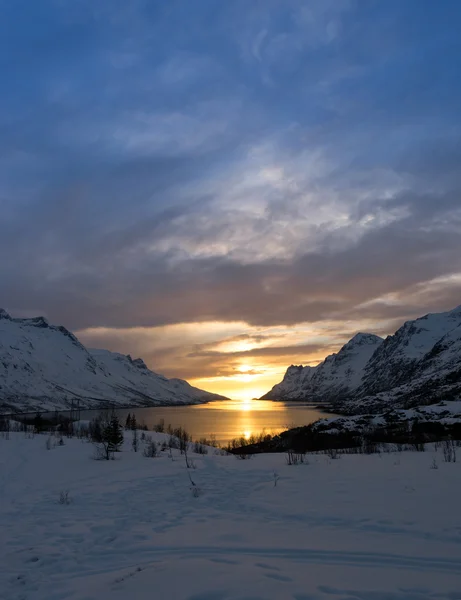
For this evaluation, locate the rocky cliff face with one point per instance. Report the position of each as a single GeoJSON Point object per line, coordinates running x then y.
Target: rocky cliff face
{"type": "Point", "coordinates": [419, 364]}
{"type": "Point", "coordinates": [45, 367]}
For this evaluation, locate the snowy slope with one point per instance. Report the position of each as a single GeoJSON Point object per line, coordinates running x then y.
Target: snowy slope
{"type": "Point", "coordinates": [44, 366]}
{"type": "Point", "coordinates": [401, 354]}
{"type": "Point", "coordinates": [333, 378]}
{"type": "Point", "coordinates": [419, 364]}
{"type": "Point", "coordinates": [366, 527]}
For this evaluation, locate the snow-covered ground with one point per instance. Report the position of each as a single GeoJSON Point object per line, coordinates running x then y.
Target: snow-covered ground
{"type": "Point", "coordinates": [377, 527]}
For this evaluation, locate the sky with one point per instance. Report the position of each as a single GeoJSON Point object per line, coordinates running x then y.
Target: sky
{"type": "Point", "coordinates": [227, 188]}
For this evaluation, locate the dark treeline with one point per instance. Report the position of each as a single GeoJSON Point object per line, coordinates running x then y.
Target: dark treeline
{"type": "Point", "coordinates": [366, 438]}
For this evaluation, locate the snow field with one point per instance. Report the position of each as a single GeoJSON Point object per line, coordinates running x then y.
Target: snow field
{"type": "Point", "coordinates": [377, 527]}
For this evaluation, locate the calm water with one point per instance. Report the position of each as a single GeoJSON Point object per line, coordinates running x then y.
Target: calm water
{"type": "Point", "coordinates": [226, 419]}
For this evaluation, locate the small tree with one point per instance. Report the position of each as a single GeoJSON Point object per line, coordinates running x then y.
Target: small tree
{"type": "Point", "coordinates": [151, 448]}
{"type": "Point", "coordinates": [135, 440]}
{"type": "Point", "coordinates": [128, 421]}
{"type": "Point", "coordinates": [115, 433]}
{"type": "Point", "coordinates": [133, 424]}
{"type": "Point", "coordinates": [95, 430]}
{"type": "Point", "coordinates": [111, 436]}
{"type": "Point", "coordinates": [38, 423]}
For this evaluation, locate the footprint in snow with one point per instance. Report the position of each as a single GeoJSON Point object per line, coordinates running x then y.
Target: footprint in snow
{"type": "Point", "coordinates": [278, 577]}
{"type": "Point", "coordinates": [225, 561]}
{"type": "Point", "coordinates": [213, 595]}
{"type": "Point", "coordinates": [266, 566]}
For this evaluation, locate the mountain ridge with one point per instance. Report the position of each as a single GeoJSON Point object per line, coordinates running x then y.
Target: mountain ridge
{"type": "Point", "coordinates": [46, 367]}
{"type": "Point", "coordinates": [420, 363]}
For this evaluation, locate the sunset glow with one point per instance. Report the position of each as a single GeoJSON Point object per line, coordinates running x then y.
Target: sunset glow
{"type": "Point", "coordinates": [233, 359]}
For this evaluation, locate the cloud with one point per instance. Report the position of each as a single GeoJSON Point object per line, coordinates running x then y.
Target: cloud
{"type": "Point", "coordinates": [263, 166]}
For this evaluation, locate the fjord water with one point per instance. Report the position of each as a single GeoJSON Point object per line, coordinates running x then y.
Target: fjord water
{"type": "Point", "coordinates": [226, 419]}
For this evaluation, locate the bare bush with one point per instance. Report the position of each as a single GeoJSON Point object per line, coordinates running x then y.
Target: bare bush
{"type": "Point", "coordinates": [183, 438]}
{"type": "Point", "coordinates": [244, 455]}
{"type": "Point", "coordinates": [160, 426]}
{"type": "Point", "coordinates": [199, 448]}
{"type": "Point", "coordinates": [434, 465]}
{"type": "Point", "coordinates": [64, 497]}
{"type": "Point", "coordinates": [294, 458]}
{"type": "Point", "coordinates": [49, 443]}
{"type": "Point", "coordinates": [220, 452]}
{"type": "Point", "coordinates": [333, 453]}
{"type": "Point", "coordinates": [5, 427]}
{"type": "Point", "coordinates": [195, 490]}
{"type": "Point", "coordinates": [190, 463]}
{"type": "Point", "coordinates": [449, 451]}
{"type": "Point", "coordinates": [135, 440]}
{"type": "Point", "coordinates": [173, 442]}
{"type": "Point", "coordinates": [99, 453]}
{"type": "Point", "coordinates": [150, 449]}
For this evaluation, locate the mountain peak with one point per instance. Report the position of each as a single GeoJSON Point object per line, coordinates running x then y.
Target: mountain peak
{"type": "Point", "coordinates": [456, 312]}
{"type": "Point", "coordinates": [420, 362]}
{"type": "Point", "coordinates": [365, 338]}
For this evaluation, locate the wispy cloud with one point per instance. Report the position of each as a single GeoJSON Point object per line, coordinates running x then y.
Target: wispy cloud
{"type": "Point", "coordinates": [177, 177]}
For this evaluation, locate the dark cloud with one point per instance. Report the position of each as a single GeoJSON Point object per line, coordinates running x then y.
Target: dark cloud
{"type": "Point", "coordinates": [114, 283]}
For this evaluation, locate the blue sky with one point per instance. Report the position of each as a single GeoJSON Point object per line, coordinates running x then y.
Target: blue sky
{"type": "Point", "coordinates": [258, 178]}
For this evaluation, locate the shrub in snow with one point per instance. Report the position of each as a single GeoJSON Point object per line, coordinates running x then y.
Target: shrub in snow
{"type": "Point", "coordinates": [333, 453]}
{"type": "Point", "coordinates": [135, 440]}
{"type": "Point", "coordinates": [173, 442]}
{"type": "Point", "coordinates": [38, 423]}
{"type": "Point", "coordinates": [95, 430]}
{"type": "Point", "coordinates": [294, 458]}
{"type": "Point", "coordinates": [190, 464]}
{"type": "Point", "coordinates": [449, 451]}
{"type": "Point", "coordinates": [128, 421]}
{"type": "Point", "coordinates": [199, 448]}
{"type": "Point", "coordinates": [5, 427]}
{"type": "Point", "coordinates": [183, 439]}
{"type": "Point", "coordinates": [195, 490]}
{"type": "Point", "coordinates": [151, 449]}
{"type": "Point", "coordinates": [244, 456]}
{"type": "Point", "coordinates": [107, 434]}
{"type": "Point", "coordinates": [64, 497]}
{"type": "Point", "coordinates": [112, 434]}
{"type": "Point", "coordinates": [160, 426]}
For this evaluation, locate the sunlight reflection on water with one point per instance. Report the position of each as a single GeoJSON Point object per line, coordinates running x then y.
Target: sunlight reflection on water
{"type": "Point", "coordinates": [227, 419]}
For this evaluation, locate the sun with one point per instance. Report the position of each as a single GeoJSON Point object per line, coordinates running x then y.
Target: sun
{"type": "Point", "coordinates": [245, 404]}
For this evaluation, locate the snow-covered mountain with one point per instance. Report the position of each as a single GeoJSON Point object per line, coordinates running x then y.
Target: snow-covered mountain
{"type": "Point", "coordinates": [335, 377]}
{"type": "Point", "coordinates": [419, 364]}
{"type": "Point", "coordinates": [45, 367]}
